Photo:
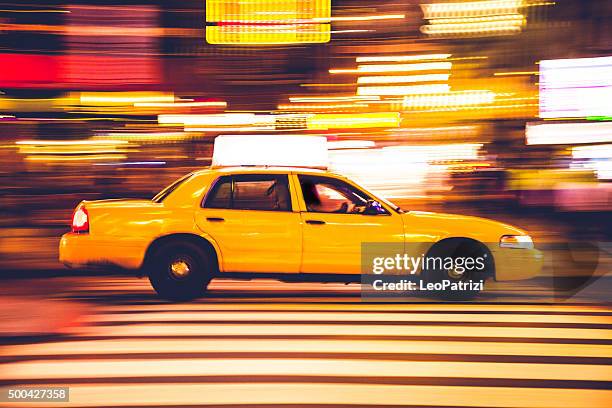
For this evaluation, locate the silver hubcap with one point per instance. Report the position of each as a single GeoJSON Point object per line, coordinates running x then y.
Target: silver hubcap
{"type": "Point", "coordinates": [455, 274]}
{"type": "Point", "coordinates": [179, 268]}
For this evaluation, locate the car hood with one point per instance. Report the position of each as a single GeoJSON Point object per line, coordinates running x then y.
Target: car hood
{"type": "Point", "coordinates": [431, 225]}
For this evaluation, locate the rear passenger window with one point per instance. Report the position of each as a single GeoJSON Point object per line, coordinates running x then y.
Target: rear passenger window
{"type": "Point", "coordinates": [251, 192]}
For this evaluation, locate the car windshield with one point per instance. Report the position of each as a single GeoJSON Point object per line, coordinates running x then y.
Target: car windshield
{"type": "Point", "coordinates": [161, 196]}
{"type": "Point", "coordinates": [390, 204]}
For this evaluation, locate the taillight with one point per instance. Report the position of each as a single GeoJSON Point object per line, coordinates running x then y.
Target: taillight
{"type": "Point", "coordinates": [80, 220]}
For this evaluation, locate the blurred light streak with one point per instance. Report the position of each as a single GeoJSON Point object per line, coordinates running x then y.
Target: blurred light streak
{"type": "Point", "coordinates": [403, 90]}
{"type": "Point", "coordinates": [112, 31]}
{"type": "Point", "coordinates": [573, 88]}
{"type": "Point", "coordinates": [227, 119]}
{"type": "Point", "coordinates": [88, 31]}
{"type": "Point", "coordinates": [442, 131]}
{"type": "Point", "coordinates": [343, 71]}
{"type": "Point", "coordinates": [70, 147]}
{"type": "Point", "coordinates": [318, 107]}
{"type": "Point", "coordinates": [592, 152]}
{"type": "Point", "coordinates": [403, 58]}
{"type": "Point", "coordinates": [350, 144]}
{"type": "Point", "coordinates": [426, 66]}
{"type": "Point", "coordinates": [230, 129]}
{"type": "Point", "coordinates": [141, 163]}
{"type": "Point", "coordinates": [124, 98]}
{"type": "Point", "coordinates": [383, 171]}
{"type": "Point", "coordinates": [267, 34]}
{"type": "Point", "coordinates": [351, 31]}
{"type": "Point", "coordinates": [443, 153]}
{"type": "Point", "coordinates": [81, 158]}
{"type": "Point", "coordinates": [450, 99]}
{"type": "Point", "coordinates": [471, 8]}
{"type": "Point", "coordinates": [597, 158]}
{"type": "Point", "coordinates": [34, 11]}
{"type": "Point", "coordinates": [599, 118]}
{"type": "Point", "coordinates": [68, 142]}
{"type": "Point", "coordinates": [155, 137]}
{"type": "Point", "coordinates": [180, 104]}
{"type": "Point", "coordinates": [479, 26]}
{"type": "Point", "coordinates": [568, 133]}
{"type": "Point", "coordinates": [361, 18]}
{"type": "Point", "coordinates": [603, 168]}
{"type": "Point", "coordinates": [336, 85]}
{"type": "Point", "coordinates": [353, 121]}
{"type": "Point", "coordinates": [516, 73]}
{"type": "Point", "coordinates": [402, 78]}
{"type": "Point", "coordinates": [402, 171]}
{"type": "Point", "coordinates": [338, 98]}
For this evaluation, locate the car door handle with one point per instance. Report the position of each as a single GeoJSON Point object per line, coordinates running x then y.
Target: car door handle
{"type": "Point", "coordinates": [315, 222]}
{"type": "Point", "coordinates": [215, 219]}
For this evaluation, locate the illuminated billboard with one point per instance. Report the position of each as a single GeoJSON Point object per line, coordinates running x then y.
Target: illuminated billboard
{"type": "Point", "coordinates": [268, 22]}
{"type": "Point", "coordinates": [576, 88]}
{"type": "Point", "coordinates": [483, 18]}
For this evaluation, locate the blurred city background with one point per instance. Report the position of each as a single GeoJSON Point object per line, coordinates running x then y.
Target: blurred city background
{"type": "Point", "coordinates": [501, 108]}
{"type": "Point", "coordinates": [498, 108]}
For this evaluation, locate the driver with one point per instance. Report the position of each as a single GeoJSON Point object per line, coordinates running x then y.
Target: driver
{"type": "Point", "coordinates": [314, 203]}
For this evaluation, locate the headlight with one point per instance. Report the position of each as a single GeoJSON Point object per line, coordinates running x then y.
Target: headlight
{"type": "Point", "coordinates": [516, 241]}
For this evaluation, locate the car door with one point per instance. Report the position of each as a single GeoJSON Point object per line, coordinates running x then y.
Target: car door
{"type": "Point", "coordinates": [334, 225]}
{"type": "Point", "coordinates": [252, 219]}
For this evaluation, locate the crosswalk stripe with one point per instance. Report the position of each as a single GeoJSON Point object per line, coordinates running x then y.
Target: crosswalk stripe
{"type": "Point", "coordinates": [348, 317]}
{"type": "Point", "coordinates": [318, 350]}
{"type": "Point", "coordinates": [292, 330]}
{"type": "Point", "coordinates": [111, 368]}
{"type": "Point", "coordinates": [329, 395]}
{"type": "Point", "coordinates": [206, 305]}
{"type": "Point", "coordinates": [135, 346]}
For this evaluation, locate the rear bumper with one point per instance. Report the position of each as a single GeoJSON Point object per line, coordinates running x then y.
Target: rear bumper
{"type": "Point", "coordinates": [84, 251]}
{"type": "Point", "coordinates": [517, 264]}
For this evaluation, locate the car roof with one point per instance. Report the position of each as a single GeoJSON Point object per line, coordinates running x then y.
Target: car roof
{"type": "Point", "coordinates": [264, 169]}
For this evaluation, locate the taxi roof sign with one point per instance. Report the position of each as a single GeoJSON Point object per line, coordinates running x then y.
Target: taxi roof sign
{"type": "Point", "coordinates": [271, 150]}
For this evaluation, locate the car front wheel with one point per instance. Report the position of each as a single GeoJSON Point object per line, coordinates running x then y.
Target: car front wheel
{"type": "Point", "coordinates": [458, 282]}
{"type": "Point", "coordinates": [179, 271]}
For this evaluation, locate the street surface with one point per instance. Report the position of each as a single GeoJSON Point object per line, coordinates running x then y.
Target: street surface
{"type": "Point", "coordinates": [265, 343]}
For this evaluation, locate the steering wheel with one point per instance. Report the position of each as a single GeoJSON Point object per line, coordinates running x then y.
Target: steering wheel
{"type": "Point", "coordinates": [343, 208]}
{"type": "Point", "coordinates": [357, 209]}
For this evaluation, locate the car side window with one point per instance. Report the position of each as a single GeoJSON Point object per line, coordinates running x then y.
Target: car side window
{"type": "Point", "coordinates": [329, 195]}
{"type": "Point", "coordinates": [221, 194]}
{"type": "Point", "coordinates": [259, 192]}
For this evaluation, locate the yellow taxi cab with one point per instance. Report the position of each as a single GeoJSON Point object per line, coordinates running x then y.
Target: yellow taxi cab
{"type": "Point", "coordinates": [287, 223]}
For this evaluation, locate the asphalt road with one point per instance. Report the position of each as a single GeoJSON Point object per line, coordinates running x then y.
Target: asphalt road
{"type": "Point", "coordinates": [270, 344]}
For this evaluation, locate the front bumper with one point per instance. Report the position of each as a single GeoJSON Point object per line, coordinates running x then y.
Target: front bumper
{"type": "Point", "coordinates": [517, 264]}
{"type": "Point", "coordinates": [84, 251]}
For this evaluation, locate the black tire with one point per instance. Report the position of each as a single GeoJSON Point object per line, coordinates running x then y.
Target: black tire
{"type": "Point", "coordinates": [180, 270]}
{"type": "Point", "coordinates": [473, 280]}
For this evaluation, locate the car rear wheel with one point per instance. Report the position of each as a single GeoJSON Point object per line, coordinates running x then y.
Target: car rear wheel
{"type": "Point", "coordinates": [180, 271]}
{"type": "Point", "coordinates": [461, 283]}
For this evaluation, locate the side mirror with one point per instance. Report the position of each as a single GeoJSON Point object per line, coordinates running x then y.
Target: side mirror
{"type": "Point", "coordinates": [373, 207]}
